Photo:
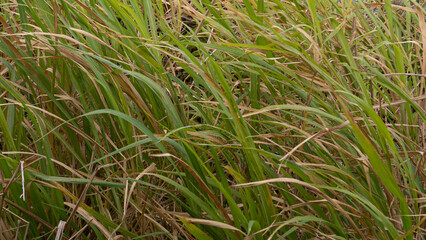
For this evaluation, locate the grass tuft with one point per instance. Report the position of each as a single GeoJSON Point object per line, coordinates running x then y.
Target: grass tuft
{"type": "Point", "coordinates": [212, 119]}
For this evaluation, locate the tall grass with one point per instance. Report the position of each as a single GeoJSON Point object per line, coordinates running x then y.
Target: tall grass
{"type": "Point", "coordinates": [197, 119]}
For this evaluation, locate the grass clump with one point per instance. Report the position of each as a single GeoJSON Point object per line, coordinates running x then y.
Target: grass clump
{"type": "Point", "coordinates": [213, 119]}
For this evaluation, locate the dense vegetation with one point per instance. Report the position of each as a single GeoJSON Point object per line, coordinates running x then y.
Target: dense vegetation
{"type": "Point", "coordinates": [199, 119]}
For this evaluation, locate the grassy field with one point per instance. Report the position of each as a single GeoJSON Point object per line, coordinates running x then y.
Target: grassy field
{"type": "Point", "coordinates": [208, 119]}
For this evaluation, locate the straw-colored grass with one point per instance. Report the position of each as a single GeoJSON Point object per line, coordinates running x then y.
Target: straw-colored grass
{"type": "Point", "coordinates": [199, 119]}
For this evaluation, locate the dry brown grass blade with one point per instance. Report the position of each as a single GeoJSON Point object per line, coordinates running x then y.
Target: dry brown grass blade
{"type": "Point", "coordinates": [79, 232]}
{"type": "Point", "coordinates": [5, 230]}
{"type": "Point", "coordinates": [60, 230]}
{"type": "Point", "coordinates": [151, 168]}
{"type": "Point", "coordinates": [316, 48]}
{"type": "Point", "coordinates": [318, 134]}
{"type": "Point", "coordinates": [422, 25]}
{"type": "Point", "coordinates": [90, 218]}
{"type": "Point", "coordinates": [213, 224]}
{"type": "Point", "coordinates": [399, 102]}
{"type": "Point", "coordinates": [205, 136]}
{"type": "Point", "coordinates": [377, 4]}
